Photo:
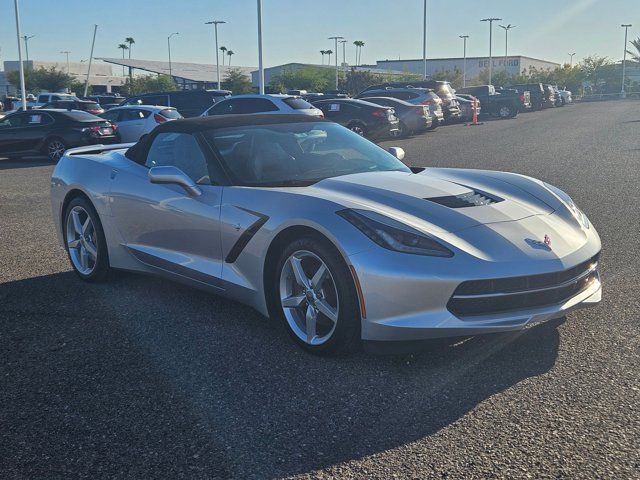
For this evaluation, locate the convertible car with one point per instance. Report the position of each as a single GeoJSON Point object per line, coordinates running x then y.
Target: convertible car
{"type": "Point", "coordinates": [312, 224]}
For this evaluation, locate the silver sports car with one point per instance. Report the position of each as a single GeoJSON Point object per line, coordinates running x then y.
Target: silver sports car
{"type": "Point", "coordinates": [312, 224]}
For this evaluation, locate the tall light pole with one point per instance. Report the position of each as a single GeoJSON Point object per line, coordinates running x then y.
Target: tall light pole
{"type": "Point", "coordinates": [464, 61]}
{"type": "Point", "coordinates": [260, 67]}
{"type": "Point", "coordinates": [215, 24]}
{"type": "Point", "coordinates": [506, 42]}
{"type": "Point", "coordinates": [571, 59]}
{"type": "Point", "coordinates": [490, 20]}
{"type": "Point", "coordinates": [93, 43]}
{"type": "Point", "coordinates": [169, 49]}
{"type": "Point", "coordinates": [26, 44]}
{"type": "Point", "coordinates": [424, 40]}
{"type": "Point", "coordinates": [22, 87]}
{"type": "Point", "coordinates": [344, 57]}
{"type": "Point", "coordinates": [67, 52]}
{"type": "Point", "coordinates": [336, 58]}
{"type": "Point", "coordinates": [624, 58]}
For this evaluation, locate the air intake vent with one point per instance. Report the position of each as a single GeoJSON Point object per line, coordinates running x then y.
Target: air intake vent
{"type": "Point", "coordinates": [471, 199]}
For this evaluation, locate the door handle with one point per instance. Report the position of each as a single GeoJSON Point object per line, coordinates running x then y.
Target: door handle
{"type": "Point", "coordinates": [113, 174]}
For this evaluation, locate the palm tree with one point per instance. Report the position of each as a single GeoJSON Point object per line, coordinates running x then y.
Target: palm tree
{"type": "Point", "coordinates": [359, 44]}
{"type": "Point", "coordinates": [130, 41]}
{"type": "Point", "coordinates": [635, 55]}
{"type": "Point", "coordinates": [223, 49]}
{"type": "Point", "coordinates": [229, 52]}
{"type": "Point", "coordinates": [124, 47]}
{"type": "Point", "coordinates": [329, 52]}
{"type": "Point", "coordinates": [323, 52]}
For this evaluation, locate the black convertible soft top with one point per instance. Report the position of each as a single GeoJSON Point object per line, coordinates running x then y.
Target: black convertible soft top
{"type": "Point", "coordinates": [138, 152]}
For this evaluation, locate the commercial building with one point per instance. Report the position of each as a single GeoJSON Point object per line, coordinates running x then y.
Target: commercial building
{"type": "Point", "coordinates": [475, 65]}
{"type": "Point", "coordinates": [271, 72]}
{"type": "Point", "coordinates": [187, 75]}
{"type": "Point", "coordinates": [101, 79]}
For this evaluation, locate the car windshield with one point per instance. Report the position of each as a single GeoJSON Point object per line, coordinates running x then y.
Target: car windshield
{"type": "Point", "coordinates": [80, 116]}
{"type": "Point", "coordinates": [297, 154]}
{"type": "Point", "coordinates": [297, 103]}
{"type": "Point", "coordinates": [170, 113]}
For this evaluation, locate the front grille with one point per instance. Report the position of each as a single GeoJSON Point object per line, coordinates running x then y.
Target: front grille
{"type": "Point", "coordinates": [470, 199]}
{"type": "Point", "coordinates": [485, 297]}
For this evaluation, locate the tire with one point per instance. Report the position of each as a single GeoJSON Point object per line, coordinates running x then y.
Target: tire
{"type": "Point", "coordinates": [403, 131]}
{"type": "Point", "coordinates": [507, 111]}
{"type": "Point", "coordinates": [87, 238]}
{"type": "Point", "coordinates": [358, 128]}
{"type": "Point", "coordinates": [335, 294]}
{"type": "Point", "coordinates": [54, 148]}
{"type": "Point", "coordinates": [434, 124]}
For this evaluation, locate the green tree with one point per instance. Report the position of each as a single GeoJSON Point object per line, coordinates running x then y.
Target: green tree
{"type": "Point", "coordinates": [237, 82]}
{"type": "Point", "coordinates": [635, 54]}
{"type": "Point", "coordinates": [14, 79]}
{"type": "Point", "coordinates": [229, 53]}
{"type": "Point", "coordinates": [223, 49]}
{"type": "Point", "coordinates": [359, 44]}
{"type": "Point", "coordinates": [129, 41]}
{"type": "Point", "coordinates": [48, 79]}
{"type": "Point", "coordinates": [313, 79]}
{"type": "Point", "coordinates": [149, 83]}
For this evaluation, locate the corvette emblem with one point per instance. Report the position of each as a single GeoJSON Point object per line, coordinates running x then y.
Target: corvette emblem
{"type": "Point", "coordinates": [547, 241]}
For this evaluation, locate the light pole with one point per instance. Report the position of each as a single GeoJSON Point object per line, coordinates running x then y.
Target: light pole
{"type": "Point", "coordinates": [624, 58]}
{"type": "Point", "coordinates": [344, 58]}
{"type": "Point", "coordinates": [506, 42]}
{"type": "Point", "coordinates": [26, 44]}
{"type": "Point", "coordinates": [215, 24]}
{"type": "Point", "coordinates": [490, 20]}
{"type": "Point", "coordinates": [464, 61]}
{"type": "Point", "coordinates": [169, 49]}
{"type": "Point", "coordinates": [260, 67]}
{"type": "Point", "coordinates": [22, 87]}
{"type": "Point", "coordinates": [336, 57]}
{"type": "Point", "coordinates": [93, 43]}
{"type": "Point", "coordinates": [67, 52]}
{"type": "Point", "coordinates": [424, 40]}
{"type": "Point", "coordinates": [571, 59]}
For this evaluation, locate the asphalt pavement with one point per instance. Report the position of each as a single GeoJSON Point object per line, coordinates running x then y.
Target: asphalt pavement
{"type": "Point", "coordinates": [145, 378]}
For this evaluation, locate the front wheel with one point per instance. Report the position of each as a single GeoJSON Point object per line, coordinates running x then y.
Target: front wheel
{"type": "Point", "coordinates": [507, 111]}
{"type": "Point", "coordinates": [316, 296]}
{"type": "Point", "coordinates": [84, 241]}
{"type": "Point", "coordinates": [358, 128]}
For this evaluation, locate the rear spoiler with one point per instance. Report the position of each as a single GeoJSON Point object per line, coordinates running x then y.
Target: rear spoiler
{"type": "Point", "coordinates": [95, 149]}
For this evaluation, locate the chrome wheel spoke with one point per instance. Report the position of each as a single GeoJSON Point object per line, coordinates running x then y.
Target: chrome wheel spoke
{"type": "Point", "coordinates": [86, 225]}
{"type": "Point", "coordinates": [311, 319]}
{"type": "Point", "coordinates": [91, 250]}
{"type": "Point", "coordinates": [84, 257]}
{"type": "Point", "coordinates": [327, 310]}
{"type": "Point", "coordinates": [294, 301]}
{"type": "Point", "coordinates": [319, 277]}
{"type": "Point", "coordinates": [74, 243]}
{"type": "Point", "coordinates": [77, 224]}
{"type": "Point", "coordinates": [298, 272]}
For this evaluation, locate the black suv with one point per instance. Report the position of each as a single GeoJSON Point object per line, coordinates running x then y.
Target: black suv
{"type": "Point", "coordinates": [364, 118]}
{"type": "Point", "coordinates": [536, 93]}
{"type": "Point", "coordinates": [190, 103]}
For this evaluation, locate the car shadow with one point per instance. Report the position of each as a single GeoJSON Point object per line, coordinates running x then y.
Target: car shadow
{"type": "Point", "coordinates": [145, 368]}
{"type": "Point", "coordinates": [27, 162]}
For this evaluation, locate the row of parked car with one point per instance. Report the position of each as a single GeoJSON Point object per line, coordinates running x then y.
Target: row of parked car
{"type": "Point", "coordinates": [56, 122]}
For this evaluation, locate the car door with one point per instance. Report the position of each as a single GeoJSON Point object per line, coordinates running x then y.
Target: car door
{"type": "Point", "coordinates": [131, 124]}
{"type": "Point", "coordinates": [10, 128]}
{"type": "Point", "coordinates": [162, 225]}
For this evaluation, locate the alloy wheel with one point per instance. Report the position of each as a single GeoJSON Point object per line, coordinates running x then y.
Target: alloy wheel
{"type": "Point", "coordinates": [81, 240]}
{"type": "Point", "coordinates": [505, 111]}
{"type": "Point", "coordinates": [357, 129]}
{"type": "Point", "coordinates": [309, 297]}
{"type": "Point", "coordinates": [55, 149]}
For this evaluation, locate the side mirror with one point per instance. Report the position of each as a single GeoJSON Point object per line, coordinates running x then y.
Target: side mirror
{"type": "Point", "coordinates": [173, 175]}
{"type": "Point", "coordinates": [396, 152]}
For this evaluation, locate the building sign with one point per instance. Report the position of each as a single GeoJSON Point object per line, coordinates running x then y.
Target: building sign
{"type": "Point", "coordinates": [499, 62]}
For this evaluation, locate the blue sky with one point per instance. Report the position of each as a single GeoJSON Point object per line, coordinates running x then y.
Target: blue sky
{"type": "Point", "coordinates": [296, 30]}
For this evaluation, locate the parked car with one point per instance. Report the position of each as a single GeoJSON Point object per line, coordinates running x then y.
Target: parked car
{"type": "Point", "coordinates": [326, 232]}
{"type": "Point", "coordinates": [566, 95]}
{"type": "Point", "coordinates": [135, 121]}
{"type": "Point", "coordinates": [525, 97]}
{"type": "Point", "coordinates": [84, 105]}
{"type": "Point", "coordinates": [362, 117]}
{"type": "Point", "coordinates": [416, 96]}
{"type": "Point", "coordinates": [466, 106]}
{"type": "Point", "coordinates": [536, 94]}
{"type": "Point", "coordinates": [504, 105]}
{"type": "Point", "coordinates": [550, 96]}
{"type": "Point", "coordinates": [45, 98]}
{"type": "Point", "coordinates": [51, 132]}
{"type": "Point", "coordinates": [190, 103]}
{"type": "Point", "coordinates": [413, 118]}
{"type": "Point", "coordinates": [105, 99]}
{"type": "Point", "coordinates": [271, 104]}
{"type": "Point", "coordinates": [559, 102]}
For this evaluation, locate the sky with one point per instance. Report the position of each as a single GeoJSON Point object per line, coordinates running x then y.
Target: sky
{"type": "Point", "coordinates": [296, 30]}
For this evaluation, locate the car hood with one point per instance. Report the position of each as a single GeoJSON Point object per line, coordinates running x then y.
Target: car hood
{"type": "Point", "coordinates": [430, 201]}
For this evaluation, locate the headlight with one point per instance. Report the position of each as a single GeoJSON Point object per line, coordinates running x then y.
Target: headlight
{"type": "Point", "coordinates": [566, 199]}
{"type": "Point", "coordinates": [393, 235]}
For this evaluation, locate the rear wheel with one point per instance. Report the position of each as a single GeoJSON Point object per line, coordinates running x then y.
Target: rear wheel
{"type": "Point", "coordinates": [507, 111]}
{"type": "Point", "coordinates": [358, 128]}
{"type": "Point", "coordinates": [403, 130]}
{"type": "Point", "coordinates": [316, 297]}
{"type": "Point", "coordinates": [54, 149]}
{"type": "Point", "coordinates": [84, 241]}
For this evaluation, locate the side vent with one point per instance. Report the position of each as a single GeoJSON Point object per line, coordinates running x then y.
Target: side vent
{"type": "Point", "coordinates": [471, 199]}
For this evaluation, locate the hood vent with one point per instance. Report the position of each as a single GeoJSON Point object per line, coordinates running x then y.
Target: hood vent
{"type": "Point", "coordinates": [471, 199]}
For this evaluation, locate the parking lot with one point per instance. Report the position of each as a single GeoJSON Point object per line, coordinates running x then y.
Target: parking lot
{"type": "Point", "coordinates": [144, 378]}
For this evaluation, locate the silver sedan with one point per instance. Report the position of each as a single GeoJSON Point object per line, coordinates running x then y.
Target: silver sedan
{"type": "Point", "coordinates": [314, 225]}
